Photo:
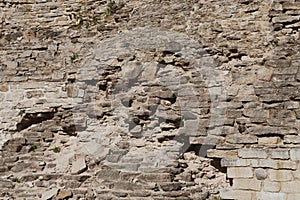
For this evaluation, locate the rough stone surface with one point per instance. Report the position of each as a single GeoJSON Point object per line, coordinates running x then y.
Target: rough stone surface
{"type": "Point", "coordinates": [149, 99]}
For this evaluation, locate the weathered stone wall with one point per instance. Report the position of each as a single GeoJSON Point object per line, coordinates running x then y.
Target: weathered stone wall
{"type": "Point", "coordinates": [149, 99]}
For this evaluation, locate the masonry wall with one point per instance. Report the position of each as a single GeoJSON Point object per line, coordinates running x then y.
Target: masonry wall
{"type": "Point", "coordinates": [149, 99]}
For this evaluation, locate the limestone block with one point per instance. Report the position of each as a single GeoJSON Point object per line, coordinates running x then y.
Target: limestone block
{"type": "Point", "coordinates": [285, 19]}
{"type": "Point", "coordinates": [241, 139]}
{"type": "Point", "coordinates": [4, 87]}
{"type": "Point", "coordinates": [49, 194]}
{"type": "Point", "coordinates": [294, 139]}
{"type": "Point", "coordinates": [240, 172]}
{"type": "Point", "coordinates": [269, 140]}
{"type": "Point", "coordinates": [279, 153]}
{"type": "Point", "coordinates": [98, 151]}
{"type": "Point", "coordinates": [277, 164]}
{"type": "Point", "coordinates": [264, 74]}
{"type": "Point", "coordinates": [295, 153]}
{"type": "Point", "coordinates": [214, 153]}
{"type": "Point", "coordinates": [252, 153]}
{"type": "Point", "coordinates": [296, 174]}
{"type": "Point", "coordinates": [149, 71]}
{"type": "Point", "coordinates": [225, 162]}
{"type": "Point", "coordinates": [291, 6]}
{"type": "Point", "coordinates": [290, 187]}
{"type": "Point", "coordinates": [256, 113]}
{"type": "Point", "coordinates": [280, 175]}
{"type": "Point", "coordinates": [269, 186]}
{"type": "Point", "coordinates": [131, 70]}
{"type": "Point", "coordinates": [247, 184]}
{"type": "Point", "coordinates": [78, 165]}
{"type": "Point", "coordinates": [270, 195]}
{"type": "Point", "coordinates": [17, 95]}
{"type": "Point", "coordinates": [293, 196]}
{"type": "Point", "coordinates": [288, 70]}
{"type": "Point", "coordinates": [236, 194]}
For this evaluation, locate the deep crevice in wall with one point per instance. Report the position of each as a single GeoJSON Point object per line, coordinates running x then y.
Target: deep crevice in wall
{"type": "Point", "coordinates": [30, 119]}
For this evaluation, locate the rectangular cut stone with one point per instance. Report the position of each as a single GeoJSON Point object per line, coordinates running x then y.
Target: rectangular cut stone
{"type": "Point", "coordinates": [269, 186]}
{"type": "Point", "coordinates": [279, 153]}
{"type": "Point", "coordinates": [288, 70]}
{"type": "Point", "coordinates": [277, 164]}
{"type": "Point", "coordinates": [270, 196]}
{"type": "Point", "coordinates": [284, 19]}
{"type": "Point", "coordinates": [209, 140]}
{"type": "Point", "coordinates": [269, 140]}
{"type": "Point", "coordinates": [292, 139]}
{"type": "Point", "coordinates": [239, 162]}
{"type": "Point", "coordinates": [296, 174]}
{"type": "Point", "coordinates": [271, 130]}
{"type": "Point", "coordinates": [252, 153]}
{"type": "Point", "coordinates": [291, 6]}
{"type": "Point", "coordinates": [241, 139]}
{"type": "Point", "coordinates": [274, 63]}
{"type": "Point", "coordinates": [247, 184]}
{"type": "Point", "coordinates": [293, 197]}
{"type": "Point", "coordinates": [239, 172]}
{"type": "Point", "coordinates": [280, 175]}
{"type": "Point", "coordinates": [295, 154]}
{"type": "Point", "coordinates": [290, 187]}
{"type": "Point", "coordinates": [237, 194]}
{"type": "Point", "coordinates": [214, 153]}
{"type": "Point", "coordinates": [256, 113]}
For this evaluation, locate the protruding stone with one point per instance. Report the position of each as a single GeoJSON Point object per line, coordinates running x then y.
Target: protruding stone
{"type": "Point", "coordinates": [260, 174]}
{"type": "Point", "coordinates": [49, 194]}
{"type": "Point", "coordinates": [3, 87]}
{"type": "Point", "coordinates": [78, 165]}
{"type": "Point", "coordinates": [64, 194]}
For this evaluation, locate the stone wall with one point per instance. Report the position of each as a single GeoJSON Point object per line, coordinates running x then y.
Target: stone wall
{"type": "Point", "coordinates": [149, 99]}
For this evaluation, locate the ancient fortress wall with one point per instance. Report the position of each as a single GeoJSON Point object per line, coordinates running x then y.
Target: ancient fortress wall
{"type": "Point", "coordinates": [149, 99]}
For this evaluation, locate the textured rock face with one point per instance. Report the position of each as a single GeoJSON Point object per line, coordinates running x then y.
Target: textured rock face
{"type": "Point", "coordinates": [149, 99]}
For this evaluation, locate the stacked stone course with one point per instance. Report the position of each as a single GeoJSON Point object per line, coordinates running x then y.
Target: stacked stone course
{"type": "Point", "coordinates": [63, 137]}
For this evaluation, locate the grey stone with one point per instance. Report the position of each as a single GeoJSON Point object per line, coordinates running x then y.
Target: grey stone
{"type": "Point", "coordinates": [78, 165]}
{"type": "Point", "coordinates": [49, 194]}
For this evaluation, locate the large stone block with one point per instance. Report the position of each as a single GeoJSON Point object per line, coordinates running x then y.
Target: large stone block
{"type": "Point", "coordinates": [237, 194]}
{"type": "Point", "coordinates": [225, 162]}
{"type": "Point", "coordinates": [280, 175]}
{"type": "Point", "coordinates": [279, 153]}
{"type": "Point", "coordinates": [78, 165]}
{"type": "Point", "coordinates": [290, 187]}
{"type": "Point", "coordinates": [252, 153]}
{"type": "Point", "coordinates": [247, 184]}
{"type": "Point", "coordinates": [293, 196]}
{"type": "Point", "coordinates": [241, 139]}
{"type": "Point", "coordinates": [240, 172]}
{"type": "Point", "coordinates": [292, 139]}
{"type": "Point", "coordinates": [277, 164]}
{"type": "Point", "coordinates": [295, 154]}
{"type": "Point", "coordinates": [214, 153]}
{"type": "Point", "coordinates": [269, 186]}
{"type": "Point", "coordinates": [270, 195]}
{"type": "Point", "coordinates": [269, 140]}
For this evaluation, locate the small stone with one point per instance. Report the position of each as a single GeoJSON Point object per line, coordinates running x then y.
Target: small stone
{"type": "Point", "coordinates": [261, 174]}
{"type": "Point", "coordinates": [64, 194]}
{"type": "Point", "coordinates": [3, 88]}
{"type": "Point", "coordinates": [42, 163]}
